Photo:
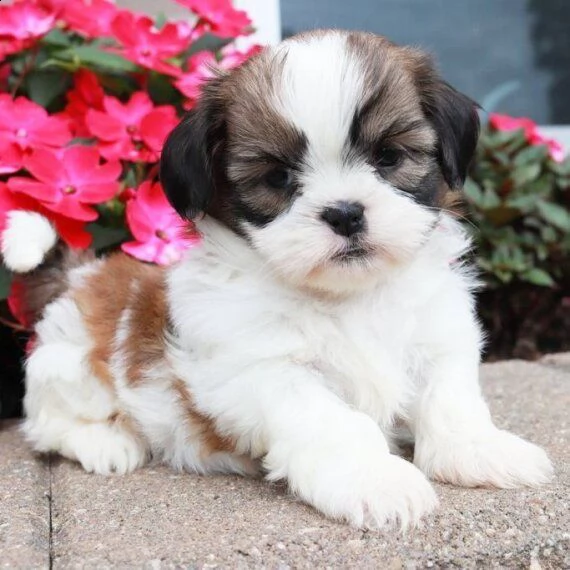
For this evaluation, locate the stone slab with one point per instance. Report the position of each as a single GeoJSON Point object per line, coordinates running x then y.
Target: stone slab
{"type": "Point", "coordinates": [24, 503]}
{"type": "Point", "coordinates": [155, 518]}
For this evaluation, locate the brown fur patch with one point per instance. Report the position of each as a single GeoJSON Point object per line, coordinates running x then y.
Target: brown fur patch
{"type": "Point", "coordinates": [102, 299]}
{"type": "Point", "coordinates": [257, 139]}
{"type": "Point", "coordinates": [148, 324]}
{"type": "Point", "coordinates": [391, 113]}
{"type": "Point", "coordinates": [202, 426]}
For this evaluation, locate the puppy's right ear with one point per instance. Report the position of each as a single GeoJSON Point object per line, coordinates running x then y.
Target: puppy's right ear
{"type": "Point", "coordinates": [191, 160]}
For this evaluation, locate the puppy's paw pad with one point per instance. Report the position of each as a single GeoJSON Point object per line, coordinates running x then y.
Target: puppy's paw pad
{"type": "Point", "coordinates": [499, 459]}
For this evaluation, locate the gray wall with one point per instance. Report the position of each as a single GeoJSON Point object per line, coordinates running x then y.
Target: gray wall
{"type": "Point", "coordinates": [482, 45]}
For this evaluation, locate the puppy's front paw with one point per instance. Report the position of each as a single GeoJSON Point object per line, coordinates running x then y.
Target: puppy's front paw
{"type": "Point", "coordinates": [496, 458]}
{"type": "Point", "coordinates": [103, 450]}
{"type": "Point", "coordinates": [369, 490]}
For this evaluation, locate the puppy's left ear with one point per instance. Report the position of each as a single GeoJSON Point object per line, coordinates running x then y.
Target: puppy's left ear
{"type": "Point", "coordinates": [456, 122]}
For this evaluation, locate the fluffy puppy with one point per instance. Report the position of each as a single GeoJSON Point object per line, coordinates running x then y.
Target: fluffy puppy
{"type": "Point", "coordinates": [325, 303]}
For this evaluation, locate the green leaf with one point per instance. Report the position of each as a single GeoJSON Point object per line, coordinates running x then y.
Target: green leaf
{"type": "Point", "coordinates": [207, 42]}
{"type": "Point", "coordinates": [524, 203]}
{"type": "Point", "coordinates": [5, 282]}
{"type": "Point", "coordinates": [555, 215]}
{"type": "Point", "coordinates": [57, 38]}
{"type": "Point", "coordinates": [473, 191]}
{"type": "Point", "coordinates": [161, 90]}
{"type": "Point", "coordinates": [82, 141]}
{"type": "Point", "coordinates": [562, 168]}
{"type": "Point", "coordinates": [105, 238]}
{"type": "Point", "coordinates": [44, 87]}
{"type": "Point", "coordinates": [92, 56]}
{"type": "Point", "coordinates": [536, 153]}
{"type": "Point", "coordinates": [497, 139]}
{"type": "Point", "coordinates": [490, 199]}
{"type": "Point", "coordinates": [525, 174]}
{"type": "Point", "coordinates": [160, 20]}
{"type": "Point", "coordinates": [539, 277]}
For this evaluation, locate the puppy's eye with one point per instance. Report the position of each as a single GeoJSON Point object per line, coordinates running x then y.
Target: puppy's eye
{"type": "Point", "coordinates": [386, 157]}
{"type": "Point", "coordinates": [280, 178]}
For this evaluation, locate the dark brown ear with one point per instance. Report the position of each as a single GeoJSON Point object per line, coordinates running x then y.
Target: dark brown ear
{"type": "Point", "coordinates": [455, 119]}
{"type": "Point", "coordinates": [192, 157]}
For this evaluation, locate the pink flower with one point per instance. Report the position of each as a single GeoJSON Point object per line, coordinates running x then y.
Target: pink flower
{"type": "Point", "coordinates": [28, 125]}
{"type": "Point", "coordinates": [11, 157]}
{"type": "Point", "coordinates": [25, 21]}
{"type": "Point", "coordinates": [161, 235]}
{"type": "Point", "coordinates": [133, 131]}
{"type": "Point", "coordinates": [556, 150]}
{"type": "Point", "coordinates": [69, 181]}
{"type": "Point", "coordinates": [218, 17]}
{"type": "Point", "coordinates": [148, 46]}
{"type": "Point", "coordinates": [203, 66]}
{"type": "Point", "coordinates": [91, 18]}
{"type": "Point", "coordinates": [507, 123]}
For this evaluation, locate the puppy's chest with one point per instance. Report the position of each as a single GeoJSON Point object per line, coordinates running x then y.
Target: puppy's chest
{"type": "Point", "coordinates": [363, 353]}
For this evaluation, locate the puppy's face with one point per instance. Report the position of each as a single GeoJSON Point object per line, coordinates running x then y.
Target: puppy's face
{"type": "Point", "coordinates": [330, 154]}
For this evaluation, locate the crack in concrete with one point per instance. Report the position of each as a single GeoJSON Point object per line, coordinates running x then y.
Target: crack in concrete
{"type": "Point", "coordinates": [50, 513]}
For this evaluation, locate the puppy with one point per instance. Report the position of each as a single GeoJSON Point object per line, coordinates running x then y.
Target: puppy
{"type": "Point", "coordinates": [326, 302]}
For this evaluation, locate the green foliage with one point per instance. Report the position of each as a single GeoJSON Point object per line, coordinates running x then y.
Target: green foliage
{"type": "Point", "coordinates": [519, 201]}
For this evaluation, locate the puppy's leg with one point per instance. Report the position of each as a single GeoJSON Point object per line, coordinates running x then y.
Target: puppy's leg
{"type": "Point", "coordinates": [456, 440]}
{"type": "Point", "coordinates": [333, 457]}
{"type": "Point", "coordinates": [70, 412]}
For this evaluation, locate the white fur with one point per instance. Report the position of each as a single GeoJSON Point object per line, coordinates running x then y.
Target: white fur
{"type": "Point", "coordinates": [304, 361]}
{"type": "Point", "coordinates": [26, 239]}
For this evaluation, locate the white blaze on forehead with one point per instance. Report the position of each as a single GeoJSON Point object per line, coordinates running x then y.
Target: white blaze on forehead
{"type": "Point", "coordinates": [319, 91]}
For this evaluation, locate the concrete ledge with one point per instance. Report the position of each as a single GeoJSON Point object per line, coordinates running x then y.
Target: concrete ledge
{"type": "Point", "coordinates": [156, 518]}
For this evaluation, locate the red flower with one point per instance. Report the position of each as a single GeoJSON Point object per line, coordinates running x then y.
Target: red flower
{"type": "Point", "coordinates": [72, 232]}
{"type": "Point", "coordinates": [5, 71]}
{"type": "Point", "coordinates": [203, 66]}
{"type": "Point", "coordinates": [533, 137]}
{"type": "Point", "coordinates": [218, 17]}
{"type": "Point", "coordinates": [8, 46]}
{"type": "Point", "coordinates": [148, 46]}
{"type": "Point", "coordinates": [25, 21]}
{"type": "Point", "coordinates": [86, 94]}
{"type": "Point", "coordinates": [91, 18]}
{"type": "Point", "coordinates": [134, 131]}
{"type": "Point", "coordinates": [68, 181]}
{"type": "Point", "coordinates": [161, 235]}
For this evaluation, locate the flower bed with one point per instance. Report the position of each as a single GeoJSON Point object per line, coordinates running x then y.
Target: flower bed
{"type": "Point", "coordinates": [88, 93]}
{"type": "Point", "coordinates": [518, 198]}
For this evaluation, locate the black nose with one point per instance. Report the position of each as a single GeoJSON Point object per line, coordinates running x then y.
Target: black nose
{"type": "Point", "coordinates": [345, 218]}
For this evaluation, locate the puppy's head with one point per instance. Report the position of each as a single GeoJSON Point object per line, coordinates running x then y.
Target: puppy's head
{"type": "Point", "coordinates": [330, 154]}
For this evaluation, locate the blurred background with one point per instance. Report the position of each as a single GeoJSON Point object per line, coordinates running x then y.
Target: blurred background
{"type": "Point", "coordinates": [512, 56]}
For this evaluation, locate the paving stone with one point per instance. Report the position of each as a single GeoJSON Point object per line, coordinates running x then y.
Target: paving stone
{"type": "Point", "coordinates": [156, 518]}
{"type": "Point", "coordinates": [24, 503]}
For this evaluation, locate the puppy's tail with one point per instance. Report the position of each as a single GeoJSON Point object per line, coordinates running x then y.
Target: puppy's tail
{"type": "Point", "coordinates": [27, 240]}
{"type": "Point", "coordinates": [40, 261]}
